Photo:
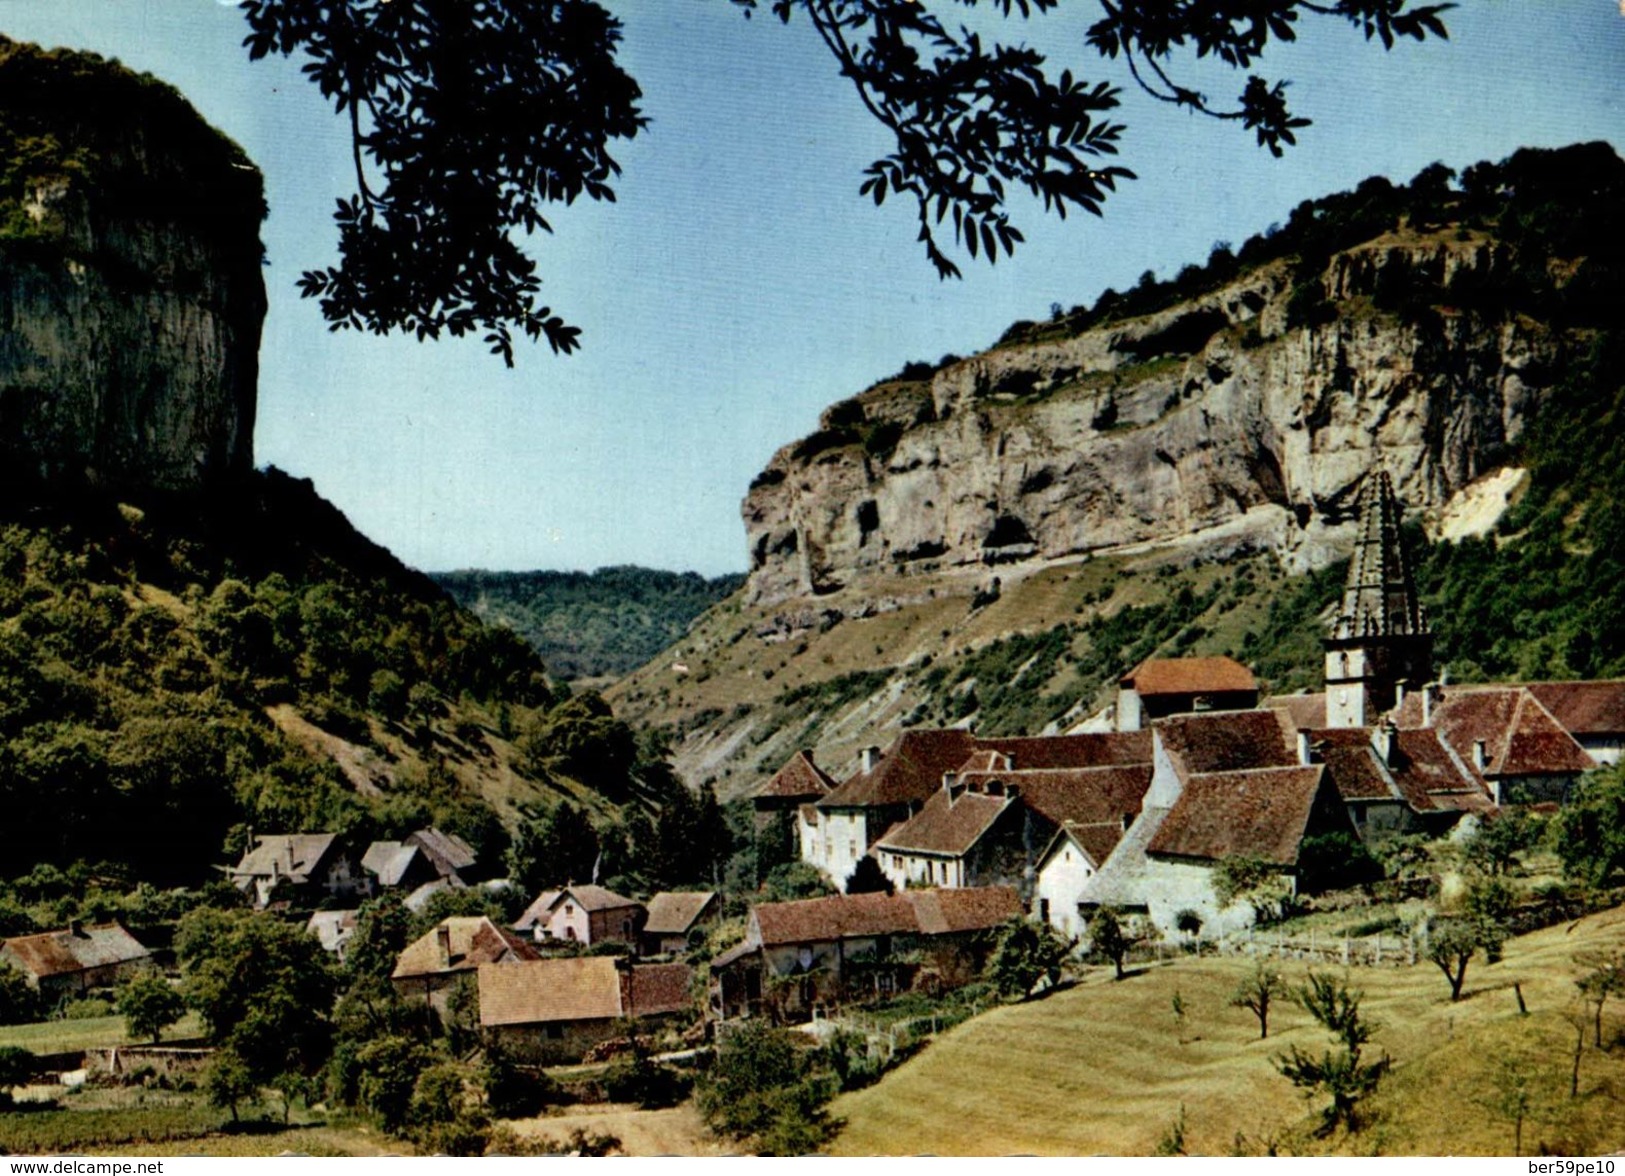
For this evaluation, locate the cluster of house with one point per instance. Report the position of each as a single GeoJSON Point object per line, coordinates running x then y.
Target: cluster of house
{"type": "Point", "coordinates": [1191, 768]}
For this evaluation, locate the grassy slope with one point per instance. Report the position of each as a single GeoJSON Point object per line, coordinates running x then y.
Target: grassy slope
{"type": "Point", "coordinates": [1100, 1068]}
{"type": "Point", "coordinates": [748, 703]}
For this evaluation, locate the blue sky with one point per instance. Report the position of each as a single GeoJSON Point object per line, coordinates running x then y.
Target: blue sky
{"type": "Point", "coordinates": [740, 285]}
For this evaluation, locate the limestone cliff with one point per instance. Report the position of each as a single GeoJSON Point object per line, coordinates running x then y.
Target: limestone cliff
{"type": "Point", "coordinates": [1243, 417]}
{"type": "Point", "coordinates": [130, 290]}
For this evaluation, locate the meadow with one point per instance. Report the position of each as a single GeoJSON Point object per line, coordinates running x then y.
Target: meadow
{"type": "Point", "coordinates": [1106, 1067]}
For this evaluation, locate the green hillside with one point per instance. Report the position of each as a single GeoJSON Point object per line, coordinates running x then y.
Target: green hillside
{"type": "Point", "coordinates": [590, 624]}
{"type": "Point", "coordinates": [175, 672]}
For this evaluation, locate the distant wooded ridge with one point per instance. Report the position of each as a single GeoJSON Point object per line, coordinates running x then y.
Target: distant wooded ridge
{"type": "Point", "coordinates": [590, 624]}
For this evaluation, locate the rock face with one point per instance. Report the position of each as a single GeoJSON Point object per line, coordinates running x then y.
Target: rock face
{"type": "Point", "coordinates": [1214, 418]}
{"type": "Point", "coordinates": [130, 290]}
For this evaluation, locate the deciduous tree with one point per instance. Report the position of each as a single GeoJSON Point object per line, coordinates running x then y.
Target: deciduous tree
{"type": "Point", "coordinates": [149, 1004]}
{"type": "Point", "coordinates": [1257, 992]}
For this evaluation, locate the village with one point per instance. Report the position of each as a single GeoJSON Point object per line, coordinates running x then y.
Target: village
{"type": "Point", "coordinates": [1191, 816]}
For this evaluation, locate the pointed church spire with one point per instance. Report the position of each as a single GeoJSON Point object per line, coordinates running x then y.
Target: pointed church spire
{"type": "Point", "coordinates": [1379, 599]}
{"type": "Point", "coordinates": [1380, 641]}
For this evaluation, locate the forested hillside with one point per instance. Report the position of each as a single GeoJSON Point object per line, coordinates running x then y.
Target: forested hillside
{"type": "Point", "coordinates": [590, 624]}
{"type": "Point", "coordinates": [176, 673]}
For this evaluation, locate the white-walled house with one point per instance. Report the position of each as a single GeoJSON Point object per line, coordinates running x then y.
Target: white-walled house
{"type": "Point", "coordinates": [1072, 857]}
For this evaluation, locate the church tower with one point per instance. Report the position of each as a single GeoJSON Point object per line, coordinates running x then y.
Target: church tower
{"type": "Point", "coordinates": [1380, 640]}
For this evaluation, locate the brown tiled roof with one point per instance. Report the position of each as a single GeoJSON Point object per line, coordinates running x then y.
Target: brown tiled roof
{"type": "Point", "coordinates": [800, 777]}
{"type": "Point", "coordinates": [1353, 764]}
{"type": "Point", "coordinates": [1094, 841]}
{"type": "Point", "coordinates": [673, 912]}
{"type": "Point", "coordinates": [1520, 736]}
{"type": "Point", "coordinates": [949, 911]}
{"type": "Point", "coordinates": [1307, 711]}
{"type": "Point", "coordinates": [1189, 675]}
{"type": "Point", "coordinates": [595, 898]}
{"type": "Point", "coordinates": [735, 953]}
{"type": "Point", "coordinates": [660, 988]}
{"type": "Point", "coordinates": [948, 823]}
{"type": "Point", "coordinates": [911, 769]}
{"type": "Point", "coordinates": [1537, 745]}
{"type": "Point", "coordinates": [475, 940]}
{"type": "Point", "coordinates": [62, 953]}
{"type": "Point", "coordinates": [1228, 741]}
{"type": "Point", "coordinates": [294, 856]}
{"type": "Point", "coordinates": [1584, 708]}
{"type": "Point", "coordinates": [1092, 750]}
{"type": "Point", "coordinates": [1261, 814]}
{"type": "Point", "coordinates": [857, 916]}
{"type": "Point", "coordinates": [1086, 795]}
{"type": "Point", "coordinates": [1432, 778]}
{"type": "Point", "coordinates": [530, 992]}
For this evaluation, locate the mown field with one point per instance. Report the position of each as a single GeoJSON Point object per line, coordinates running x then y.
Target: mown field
{"type": "Point", "coordinates": [1105, 1067]}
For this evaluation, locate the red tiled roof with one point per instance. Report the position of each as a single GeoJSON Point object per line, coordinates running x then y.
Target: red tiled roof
{"type": "Point", "coordinates": [911, 769]}
{"type": "Point", "coordinates": [800, 777]}
{"type": "Point", "coordinates": [948, 823]}
{"type": "Point", "coordinates": [1520, 736]}
{"type": "Point", "coordinates": [1226, 741]}
{"type": "Point", "coordinates": [1260, 813]}
{"type": "Point", "coordinates": [673, 912]}
{"type": "Point", "coordinates": [62, 953]}
{"type": "Point", "coordinates": [1584, 708]}
{"type": "Point", "coordinates": [1355, 769]}
{"type": "Point", "coordinates": [1095, 841]}
{"type": "Point", "coordinates": [985, 760]}
{"type": "Point", "coordinates": [1086, 795]}
{"type": "Point", "coordinates": [859, 916]}
{"type": "Point", "coordinates": [1189, 675]}
{"type": "Point", "coordinates": [1433, 779]}
{"type": "Point", "coordinates": [1537, 745]}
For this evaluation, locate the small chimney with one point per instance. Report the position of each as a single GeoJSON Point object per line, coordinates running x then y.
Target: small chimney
{"type": "Point", "coordinates": [1304, 758]}
{"type": "Point", "coordinates": [869, 757]}
{"type": "Point", "coordinates": [1432, 693]}
{"type": "Point", "coordinates": [76, 928]}
{"type": "Point", "coordinates": [1128, 819]}
{"type": "Point", "coordinates": [1399, 693]}
{"type": "Point", "coordinates": [442, 936]}
{"type": "Point", "coordinates": [949, 779]}
{"type": "Point", "coordinates": [1385, 739]}
{"type": "Point", "coordinates": [1478, 754]}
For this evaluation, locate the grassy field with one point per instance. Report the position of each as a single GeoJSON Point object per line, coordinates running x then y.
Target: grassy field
{"type": "Point", "coordinates": [1104, 1068]}
{"type": "Point", "coordinates": [53, 1037]}
{"type": "Point", "coordinates": [677, 1131]}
